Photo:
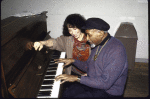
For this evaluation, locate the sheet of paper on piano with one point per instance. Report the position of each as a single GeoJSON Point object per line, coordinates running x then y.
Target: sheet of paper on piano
{"type": "Point", "coordinates": [27, 14]}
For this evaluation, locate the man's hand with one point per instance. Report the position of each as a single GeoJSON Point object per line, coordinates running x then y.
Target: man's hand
{"type": "Point", "coordinates": [38, 45]}
{"type": "Point", "coordinates": [29, 45]}
{"type": "Point", "coordinates": [66, 62]}
{"type": "Point", "coordinates": [65, 77]}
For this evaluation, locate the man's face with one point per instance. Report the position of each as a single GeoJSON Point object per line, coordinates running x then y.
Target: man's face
{"type": "Point", "coordinates": [94, 36]}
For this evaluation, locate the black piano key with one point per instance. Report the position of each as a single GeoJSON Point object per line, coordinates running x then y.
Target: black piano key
{"type": "Point", "coordinates": [52, 68]}
{"type": "Point", "coordinates": [44, 93]}
{"type": "Point", "coordinates": [53, 64]}
{"type": "Point", "coordinates": [49, 77]}
{"type": "Point", "coordinates": [56, 52]}
{"type": "Point", "coordinates": [56, 65]}
{"type": "Point", "coordinates": [53, 59]}
{"type": "Point", "coordinates": [56, 57]}
{"type": "Point", "coordinates": [48, 82]}
{"type": "Point", "coordinates": [51, 73]}
{"type": "Point", "coordinates": [46, 87]}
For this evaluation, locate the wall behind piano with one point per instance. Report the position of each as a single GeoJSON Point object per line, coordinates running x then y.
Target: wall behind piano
{"type": "Point", "coordinates": [113, 11]}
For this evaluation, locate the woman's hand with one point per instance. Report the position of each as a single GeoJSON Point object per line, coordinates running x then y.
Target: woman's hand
{"type": "Point", "coordinates": [66, 62]}
{"type": "Point", "coordinates": [38, 46]}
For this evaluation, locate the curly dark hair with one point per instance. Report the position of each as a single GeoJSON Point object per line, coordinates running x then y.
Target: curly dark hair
{"type": "Point", "coordinates": [76, 20]}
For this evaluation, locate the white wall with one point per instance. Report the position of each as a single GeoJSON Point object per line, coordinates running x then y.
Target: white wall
{"type": "Point", "coordinates": [112, 11]}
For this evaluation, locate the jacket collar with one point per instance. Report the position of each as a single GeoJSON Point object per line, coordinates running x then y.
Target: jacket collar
{"type": "Point", "coordinates": [106, 38]}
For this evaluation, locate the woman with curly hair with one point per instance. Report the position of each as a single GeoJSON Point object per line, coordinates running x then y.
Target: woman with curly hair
{"type": "Point", "coordinates": [73, 42]}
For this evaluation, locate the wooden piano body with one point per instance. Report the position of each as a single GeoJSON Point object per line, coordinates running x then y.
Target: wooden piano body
{"type": "Point", "coordinates": [22, 69]}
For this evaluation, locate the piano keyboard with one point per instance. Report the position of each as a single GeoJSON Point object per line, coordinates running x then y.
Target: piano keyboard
{"type": "Point", "coordinates": [49, 87]}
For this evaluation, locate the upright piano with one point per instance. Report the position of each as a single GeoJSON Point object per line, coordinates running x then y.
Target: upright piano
{"type": "Point", "coordinates": [26, 73]}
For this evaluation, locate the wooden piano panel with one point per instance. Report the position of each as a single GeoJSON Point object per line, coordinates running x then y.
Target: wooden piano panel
{"type": "Point", "coordinates": [33, 77]}
{"type": "Point", "coordinates": [11, 54]}
{"type": "Point", "coordinates": [20, 65]}
{"type": "Point", "coordinates": [33, 31]}
{"type": "Point", "coordinates": [9, 48]}
{"type": "Point", "coordinates": [10, 62]}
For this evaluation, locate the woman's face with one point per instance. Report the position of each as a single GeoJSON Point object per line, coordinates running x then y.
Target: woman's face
{"type": "Point", "coordinates": [74, 31]}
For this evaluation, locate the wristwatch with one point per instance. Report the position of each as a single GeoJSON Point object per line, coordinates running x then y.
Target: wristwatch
{"type": "Point", "coordinates": [79, 78]}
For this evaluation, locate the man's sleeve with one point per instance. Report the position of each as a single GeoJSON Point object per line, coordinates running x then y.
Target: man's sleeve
{"type": "Point", "coordinates": [81, 65]}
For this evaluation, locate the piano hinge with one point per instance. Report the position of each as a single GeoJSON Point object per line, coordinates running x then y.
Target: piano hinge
{"type": "Point", "coordinates": [39, 74]}
{"type": "Point", "coordinates": [4, 91]}
{"type": "Point", "coordinates": [11, 90]}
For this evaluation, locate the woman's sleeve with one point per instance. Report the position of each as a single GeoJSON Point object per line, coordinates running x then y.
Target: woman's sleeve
{"type": "Point", "coordinates": [59, 43]}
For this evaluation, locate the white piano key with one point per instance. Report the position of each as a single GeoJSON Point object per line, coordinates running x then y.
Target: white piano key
{"type": "Point", "coordinates": [49, 79]}
{"type": "Point", "coordinates": [45, 89]}
{"type": "Point", "coordinates": [56, 85]}
{"type": "Point", "coordinates": [43, 96]}
{"type": "Point", "coordinates": [60, 68]}
{"type": "Point", "coordinates": [55, 91]}
{"type": "Point", "coordinates": [48, 85]}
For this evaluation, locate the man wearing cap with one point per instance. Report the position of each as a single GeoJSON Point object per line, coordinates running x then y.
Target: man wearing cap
{"type": "Point", "coordinates": [106, 67]}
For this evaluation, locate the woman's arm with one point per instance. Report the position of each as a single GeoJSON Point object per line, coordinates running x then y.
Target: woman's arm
{"type": "Point", "coordinates": [54, 44]}
{"type": "Point", "coordinates": [39, 45]}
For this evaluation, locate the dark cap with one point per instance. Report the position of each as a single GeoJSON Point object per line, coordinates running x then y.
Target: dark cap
{"type": "Point", "coordinates": [96, 23]}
